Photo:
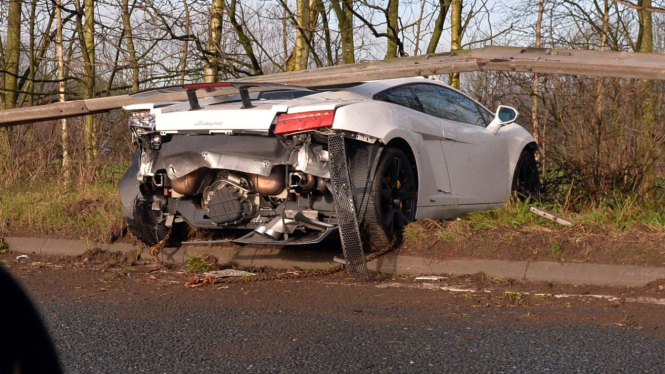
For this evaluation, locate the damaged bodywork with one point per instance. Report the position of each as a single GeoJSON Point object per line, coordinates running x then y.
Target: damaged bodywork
{"type": "Point", "coordinates": [257, 158]}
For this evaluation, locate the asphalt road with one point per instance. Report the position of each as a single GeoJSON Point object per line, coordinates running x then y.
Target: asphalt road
{"type": "Point", "coordinates": [107, 322]}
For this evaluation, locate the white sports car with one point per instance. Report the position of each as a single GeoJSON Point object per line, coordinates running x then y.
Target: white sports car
{"type": "Point", "coordinates": [294, 165]}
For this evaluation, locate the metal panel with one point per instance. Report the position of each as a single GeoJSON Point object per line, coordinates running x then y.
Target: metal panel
{"type": "Point", "coordinates": [346, 211]}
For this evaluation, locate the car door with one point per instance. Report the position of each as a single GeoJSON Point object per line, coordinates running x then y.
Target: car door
{"type": "Point", "coordinates": [434, 183]}
{"type": "Point", "coordinates": [477, 160]}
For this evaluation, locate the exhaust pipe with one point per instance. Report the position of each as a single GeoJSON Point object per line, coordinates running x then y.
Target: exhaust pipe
{"type": "Point", "coordinates": [271, 185]}
{"type": "Point", "coordinates": [301, 182]}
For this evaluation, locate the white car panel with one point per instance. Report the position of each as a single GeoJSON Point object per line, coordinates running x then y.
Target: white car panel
{"type": "Point", "coordinates": [210, 119]}
{"type": "Point", "coordinates": [476, 160]}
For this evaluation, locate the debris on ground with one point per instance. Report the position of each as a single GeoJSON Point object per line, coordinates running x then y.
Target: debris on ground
{"type": "Point", "coordinates": [227, 273]}
{"type": "Point", "coordinates": [292, 272]}
{"type": "Point", "coordinates": [21, 257]}
{"type": "Point", "coordinates": [339, 260]}
{"type": "Point", "coordinates": [197, 281]}
{"type": "Point", "coordinates": [550, 216]}
{"type": "Point", "coordinates": [434, 278]}
{"type": "Point", "coordinates": [210, 277]}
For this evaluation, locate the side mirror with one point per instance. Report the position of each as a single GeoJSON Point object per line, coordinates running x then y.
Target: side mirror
{"type": "Point", "coordinates": [505, 115]}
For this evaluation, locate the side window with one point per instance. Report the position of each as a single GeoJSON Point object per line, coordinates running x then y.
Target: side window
{"type": "Point", "coordinates": [403, 96]}
{"type": "Point", "coordinates": [489, 116]}
{"type": "Point", "coordinates": [448, 104]}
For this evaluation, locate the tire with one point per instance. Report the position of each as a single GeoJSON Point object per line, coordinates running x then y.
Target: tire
{"type": "Point", "coordinates": [391, 204]}
{"type": "Point", "coordinates": [149, 227]}
{"type": "Point", "coordinates": [526, 179]}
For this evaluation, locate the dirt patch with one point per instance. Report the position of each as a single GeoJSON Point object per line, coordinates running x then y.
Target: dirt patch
{"type": "Point", "coordinates": [98, 256]}
{"type": "Point", "coordinates": [83, 207]}
{"type": "Point", "coordinates": [92, 258]}
{"type": "Point", "coordinates": [595, 244]}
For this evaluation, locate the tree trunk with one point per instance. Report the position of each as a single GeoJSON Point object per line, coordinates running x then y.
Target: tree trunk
{"type": "Point", "coordinates": [392, 28]}
{"type": "Point", "coordinates": [600, 107]}
{"type": "Point", "coordinates": [86, 31]}
{"type": "Point", "coordinates": [28, 87]}
{"type": "Point", "coordinates": [647, 134]}
{"type": "Point", "coordinates": [244, 40]}
{"type": "Point", "coordinates": [536, 79]}
{"type": "Point", "coordinates": [285, 35]}
{"type": "Point", "coordinates": [214, 39]}
{"type": "Point", "coordinates": [133, 63]}
{"type": "Point", "coordinates": [62, 86]}
{"type": "Point", "coordinates": [455, 35]}
{"type": "Point", "coordinates": [301, 52]}
{"type": "Point", "coordinates": [12, 55]}
{"type": "Point", "coordinates": [416, 49]}
{"type": "Point", "coordinates": [185, 47]}
{"type": "Point", "coordinates": [438, 26]}
{"type": "Point", "coordinates": [342, 9]}
{"type": "Point", "coordinates": [325, 28]}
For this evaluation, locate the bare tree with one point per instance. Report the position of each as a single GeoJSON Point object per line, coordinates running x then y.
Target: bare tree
{"type": "Point", "coordinates": [243, 38]}
{"type": "Point", "coordinates": [12, 54]}
{"type": "Point", "coordinates": [129, 37]}
{"type": "Point", "coordinates": [390, 20]}
{"type": "Point", "coordinates": [392, 26]}
{"type": "Point", "coordinates": [185, 47]}
{"type": "Point", "coordinates": [10, 77]}
{"type": "Point", "coordinates": [645, 45]}
{"type": "Point", "coordinates": [456, 32]}
{"type": "Point", "coordinates": [536, 78]}
{"type": "Point", "coordinates": [344, 15]}
{"type": "Point", "coordinates": [214, 39]}
{"type": "Point", "coordinates": [62, 87]}
{"type": "Point", "coordinates": [444, 7]}
{"type": "Point", "coordinates": [85, 21]}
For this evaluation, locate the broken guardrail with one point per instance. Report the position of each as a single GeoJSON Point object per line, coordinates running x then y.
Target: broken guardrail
{"type": "Point", "coordinates": [515, 59]}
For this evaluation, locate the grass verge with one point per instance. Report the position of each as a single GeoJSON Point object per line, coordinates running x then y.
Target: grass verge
{"type": "Point", "coordinates": [625, 233]}
{"type": "Point", "coordinates": [89, 211]}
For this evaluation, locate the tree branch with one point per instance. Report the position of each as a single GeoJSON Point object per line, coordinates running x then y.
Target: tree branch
{"type": "Point", "coordinates": [635, 6]}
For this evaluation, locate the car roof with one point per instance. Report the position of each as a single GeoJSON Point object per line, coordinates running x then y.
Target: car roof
{"type": "Point", "coordinates": [371, 88]}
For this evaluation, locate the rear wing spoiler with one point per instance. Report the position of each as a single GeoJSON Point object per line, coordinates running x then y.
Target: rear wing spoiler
{"type": "Point", "coordinates": [217, 89]}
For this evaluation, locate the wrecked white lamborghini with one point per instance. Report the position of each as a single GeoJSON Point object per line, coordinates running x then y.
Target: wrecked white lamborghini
{"type": "Point", "coordinates": [294, 165]}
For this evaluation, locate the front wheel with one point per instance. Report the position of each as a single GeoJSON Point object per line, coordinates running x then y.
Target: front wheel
{"type": "Point", "coordinates": [526, 180]}
{"type": "Point", "coordinates": [392, 201]}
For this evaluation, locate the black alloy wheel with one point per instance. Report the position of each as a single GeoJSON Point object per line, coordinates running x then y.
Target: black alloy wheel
{"type": "Point", "coordinates": [526, 180]}
{"type": "Point", "coordinates": [392, 202]}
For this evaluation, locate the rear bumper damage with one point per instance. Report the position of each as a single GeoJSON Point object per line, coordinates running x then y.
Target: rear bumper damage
{"type": "Point", "coordinates": [277, 188]}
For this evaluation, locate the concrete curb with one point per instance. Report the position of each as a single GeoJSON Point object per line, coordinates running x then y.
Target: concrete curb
{"type": "Point", "coordinates": [280, 257]}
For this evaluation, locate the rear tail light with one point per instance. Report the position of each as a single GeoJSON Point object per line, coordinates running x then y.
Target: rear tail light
{"type": "Point", "coordinates": [288, 123]}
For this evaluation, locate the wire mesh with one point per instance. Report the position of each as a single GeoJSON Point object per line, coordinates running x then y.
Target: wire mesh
{"type": "Point", "coordinates": [343, 197]}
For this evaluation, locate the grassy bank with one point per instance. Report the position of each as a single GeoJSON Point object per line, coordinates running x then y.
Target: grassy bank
{"type": "Point", "coordinates": [625, 233]}
{"type": "Point", "coordinates": [48, 208]}
{"type": "Point", "coordinates": [619, 213]}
